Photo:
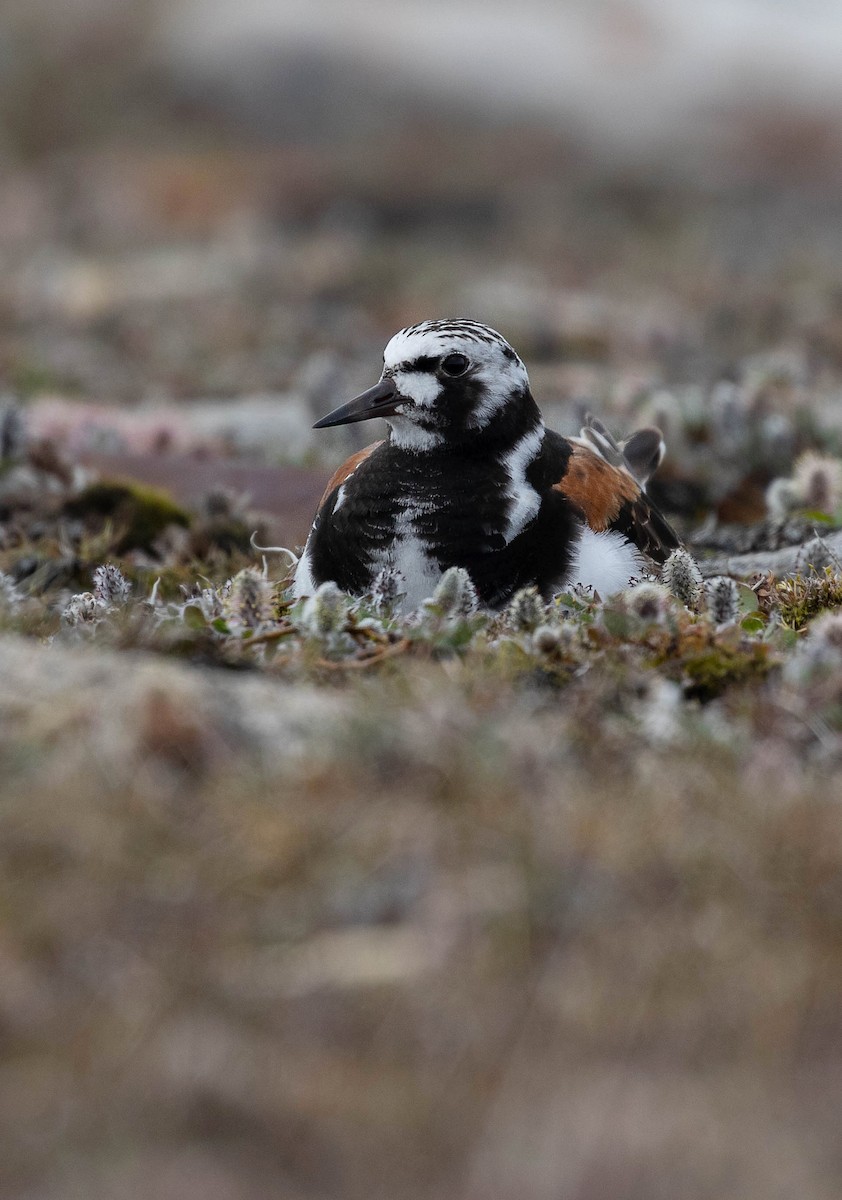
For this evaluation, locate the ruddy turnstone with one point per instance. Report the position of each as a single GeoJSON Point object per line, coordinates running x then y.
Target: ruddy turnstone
{"type": "Point", "coordinates": [469, 476]}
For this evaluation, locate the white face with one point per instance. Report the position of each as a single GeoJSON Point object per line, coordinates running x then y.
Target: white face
{"type": "Point", "coordinates": [420, 361]}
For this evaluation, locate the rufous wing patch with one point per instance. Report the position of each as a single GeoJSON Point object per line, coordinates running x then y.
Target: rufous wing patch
{"type": "Point", "coordinates": [347, 469]}
{"type": "Point", "coordinates": [596, 487]}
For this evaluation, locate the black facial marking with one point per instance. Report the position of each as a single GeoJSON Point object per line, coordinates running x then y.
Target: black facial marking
{"type": "Point", "coordinates": [424, 363]}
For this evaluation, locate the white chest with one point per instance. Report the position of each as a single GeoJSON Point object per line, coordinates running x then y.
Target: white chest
{"type": "Point", "coordinates": [524, 501]}
{"type": "Point", "coordinates": [407, 555]}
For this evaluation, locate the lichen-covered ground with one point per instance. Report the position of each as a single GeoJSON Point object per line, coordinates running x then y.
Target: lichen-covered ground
{"type": "Point", "coordinates": [321, 901]}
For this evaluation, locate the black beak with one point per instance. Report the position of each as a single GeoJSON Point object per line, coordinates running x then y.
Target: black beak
{"type": "Point", "coordinates": [380, 401]}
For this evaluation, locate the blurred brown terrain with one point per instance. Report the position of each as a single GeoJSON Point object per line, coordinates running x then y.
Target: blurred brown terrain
{"type": "Point", "coordinates": [450, 928]}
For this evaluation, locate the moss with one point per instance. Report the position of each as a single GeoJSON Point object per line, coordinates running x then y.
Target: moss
{"type": "Point", "coordinates": [139, 513]}
{"type": "Point", "coordinates": [802, 597]}
{"type": "Point", "coordinates": [709, 672]}
{"type": "Point", "coordinates": [708, 661]}
{"type": "Point", "coordinates": [29, 378]}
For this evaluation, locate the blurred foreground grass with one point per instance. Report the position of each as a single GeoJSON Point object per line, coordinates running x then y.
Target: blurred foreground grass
{"type": "Point", "coordinates": [463, 924]}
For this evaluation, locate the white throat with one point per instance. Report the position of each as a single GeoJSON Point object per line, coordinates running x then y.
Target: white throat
{"type": "Point", "coordinates": [406, 435]}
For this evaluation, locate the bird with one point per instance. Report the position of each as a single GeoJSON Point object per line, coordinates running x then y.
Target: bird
{"type": "Point", "coordinates": [469, 476]}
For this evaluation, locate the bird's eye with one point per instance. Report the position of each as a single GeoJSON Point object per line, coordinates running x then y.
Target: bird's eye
{"type": "Point", "coordinates": [454, 365]}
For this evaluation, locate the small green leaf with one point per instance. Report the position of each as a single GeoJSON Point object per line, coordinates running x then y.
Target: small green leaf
{"type": "Point", "coordinates": [784, 638]}
{"type": "Point", "coordinates": [193, 617]}
{"type": "Point", "coordinates": [616, 622]}
{"type": "Point", "coordinates": [748, 598]}
{"type": "Point", "coordinates": [753, 623]}
{"type": "Point", "coordinates": [461, 635]}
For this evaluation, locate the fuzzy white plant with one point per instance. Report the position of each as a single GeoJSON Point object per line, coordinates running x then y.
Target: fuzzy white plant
{"type": "Point", "coordinates": [455, 594]}
{"type": "Point", "coordinates": [819, 653]}
{"type": "Point", "coordinates": [555, 639]}
{"type": "Point", "coordinates": [826, 631]}
{"type": "Point", "coordinates": [388, 587]}
{"type": "Point", "coordinates": [111, 586]}
{"type": "Point", "coordinates": [325, 613]}
{"type": "Point", "coordinates": [248, 604]}
{"type": "Point", "coordinates": [723, 599]}
{"type": "Point", "coordinates": [83, 610]}
{"type": "Point", "coordinates": [546, 639]}
{"type": "Point", "coordinates": [815, 485]}
{"type": "Point", "coordinates": [649, 602]}
{"type": "Point", "coordinates": [86, 610]}
{"type": "Point", "coordinates": [818, 480]}
{"type": "Point", "coordinates": [782, 499]}
{"type": "Point", "coordinates": [729, 413]}
{"type": "Point", "coordinates": [526, 610]}
{"type": "Point", "coordinates": [681, 575]}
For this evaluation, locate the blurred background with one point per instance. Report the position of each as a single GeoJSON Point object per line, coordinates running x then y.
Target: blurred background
{"type": "Point", "coordinates": [212, 218]}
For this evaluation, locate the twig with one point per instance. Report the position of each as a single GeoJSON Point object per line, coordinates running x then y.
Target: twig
{"type": "Point", "coordinates": [272, 635]}
{"type": "Point", "coordinates": [359, 664]}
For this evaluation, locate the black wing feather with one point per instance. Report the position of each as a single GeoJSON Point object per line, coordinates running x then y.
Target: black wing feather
{"type": "Point", "coordinates": [641, 522]}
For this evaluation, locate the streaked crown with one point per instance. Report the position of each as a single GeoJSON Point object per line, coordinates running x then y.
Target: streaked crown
{"type": "Point", "coordinates": [455, 375]}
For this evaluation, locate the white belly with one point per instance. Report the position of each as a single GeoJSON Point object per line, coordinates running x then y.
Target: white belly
{"type": "Point", "coordinates": [605, 561]}
{"type": "Point", "coordinates": [419, 573]}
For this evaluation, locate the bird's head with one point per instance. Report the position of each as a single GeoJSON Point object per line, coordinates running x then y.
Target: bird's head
{"type": "Point", "coordinates": [445, 382]}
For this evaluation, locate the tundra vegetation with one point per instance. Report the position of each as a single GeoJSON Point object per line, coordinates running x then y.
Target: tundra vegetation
{"type": "Point", "coordinates": [319, 899]}
{"type": "Point", "coordinates": [294, 888]}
